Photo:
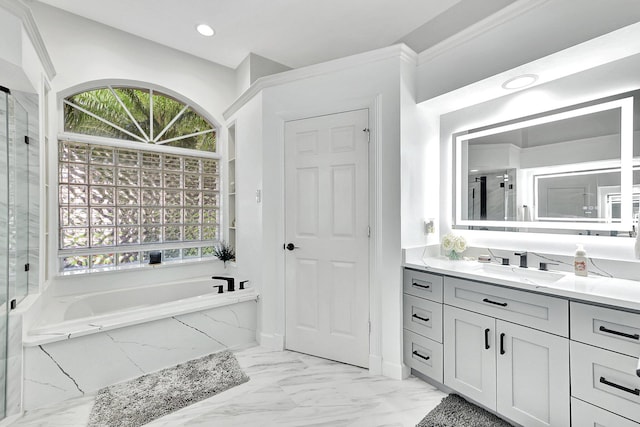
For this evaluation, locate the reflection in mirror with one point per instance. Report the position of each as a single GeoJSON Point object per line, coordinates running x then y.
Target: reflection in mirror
{"type": "Point", "coordinates": [492, 195]}
{"type": "Point", "coordinates": [571, 170]}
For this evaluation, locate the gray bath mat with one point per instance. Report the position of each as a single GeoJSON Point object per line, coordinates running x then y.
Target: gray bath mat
{"type": "Point", "coordinates": [454, 411]}
{"type": "Point", "coordinates": [152, 396]}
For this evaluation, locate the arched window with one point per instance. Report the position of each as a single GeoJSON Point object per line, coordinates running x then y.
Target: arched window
{"type": "Point", "coordinates": [137, 173]}
{"type": "Point", "coordinates": [135, 114]}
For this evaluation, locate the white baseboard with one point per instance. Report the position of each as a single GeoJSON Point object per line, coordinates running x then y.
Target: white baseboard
{"type": "Point", "coordinates": [271, 341]}
{"type": "Point", "coordinates": [397, 371]}
{"type": "Point", "coordinates": [375, 365]}
{"type": "Point", "coordinates": [9, 420]}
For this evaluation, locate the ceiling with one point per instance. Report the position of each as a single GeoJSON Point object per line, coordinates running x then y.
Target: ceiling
{"type": "Point", "coordinates": [294, 33]}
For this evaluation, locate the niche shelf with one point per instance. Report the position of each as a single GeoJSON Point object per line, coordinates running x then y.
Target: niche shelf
{"type": "Point", "coordinates": [231, 187]}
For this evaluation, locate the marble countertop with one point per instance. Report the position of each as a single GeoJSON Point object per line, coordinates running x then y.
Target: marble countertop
{"type": "Point", "coordinates": [615, 292]}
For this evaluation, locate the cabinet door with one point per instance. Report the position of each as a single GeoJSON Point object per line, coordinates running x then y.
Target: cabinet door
{"type": "Point", "coordinates": [586, 415]}
{"type": "Point", "coordinates": [533, 376]}
{"type": "Point", "coordinates": [470, 358]}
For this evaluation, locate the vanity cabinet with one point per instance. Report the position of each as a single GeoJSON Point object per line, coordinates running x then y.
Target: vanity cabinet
{"type": "Point", "coordinates": [422, 322]}
{"type": "Point", "coordinates": [605, 346]}
{"type": "Point", "coordinates": [533, 358]}
{"type": "Point", "coordinates": [519, 372]}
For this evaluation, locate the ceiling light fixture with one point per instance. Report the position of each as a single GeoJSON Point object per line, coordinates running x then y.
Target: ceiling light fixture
{"type": "Point", "coordinates": [205, 30]}
{"type": "Point", "coordinates": [520, 81]}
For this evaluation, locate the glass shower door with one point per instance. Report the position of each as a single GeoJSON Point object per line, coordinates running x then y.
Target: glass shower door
{"type": "Point", "coordinates": [4, 244]}
{"type": "Point", "coordinates": [20, 190]}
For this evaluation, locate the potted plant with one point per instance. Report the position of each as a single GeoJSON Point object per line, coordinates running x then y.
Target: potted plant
{"type": "Point", "coordinates": [224, 252]}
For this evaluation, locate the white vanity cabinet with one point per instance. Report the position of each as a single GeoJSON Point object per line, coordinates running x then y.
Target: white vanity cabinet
{"type": "Point", "coordinates": [422, 321]}
{"type": "Point", "coordinates": [605, 346]}
{"type": "Point", "coordinates": [533, 357]}
{"type": "Point", "coordinates": [520, 372]}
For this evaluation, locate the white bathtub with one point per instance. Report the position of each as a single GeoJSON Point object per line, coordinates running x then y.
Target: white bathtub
{"type": "Point", "coordinates": [82, 343]}
{"type": "Point", "coordinates": [71, 316]}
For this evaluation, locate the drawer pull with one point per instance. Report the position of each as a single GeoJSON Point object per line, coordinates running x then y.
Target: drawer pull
{"type": "Point", "coordinates": [603, 380]}
{"type": "Point", "coordinates": [486, 339]}
{"type": "Point", "coordinates": [502, 344]}
{"type": "Point", "coordinates": [424, 319]}
{"type": "Point", "coordinates": [501, 304]}
{"type": "Point", "coordinates": [415, 353]}
{"type": "Point", "coordinates": [620, 334]}
{"type": "Point", "coordinates": [418, 285]}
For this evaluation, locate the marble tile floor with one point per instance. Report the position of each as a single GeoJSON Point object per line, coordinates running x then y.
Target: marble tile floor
{"type": "Point", "coordinates": [286, 389]}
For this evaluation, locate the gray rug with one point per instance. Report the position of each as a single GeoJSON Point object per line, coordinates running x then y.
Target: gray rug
{"type": "Point", "coordinates": [454, 411]}
{"type": "Point", "coordinates": [152, 396]}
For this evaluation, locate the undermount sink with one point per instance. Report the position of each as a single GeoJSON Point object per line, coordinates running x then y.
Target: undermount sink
{"type": "Point", "coordinates": [513, 272]}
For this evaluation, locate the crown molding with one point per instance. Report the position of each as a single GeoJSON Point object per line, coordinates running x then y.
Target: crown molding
{"type": "Point", "coordinates": [504, 15]}
{"type": "Point", "coordinates": [23, 12]}
{"type": "Point", "coordinates": [400, 51]}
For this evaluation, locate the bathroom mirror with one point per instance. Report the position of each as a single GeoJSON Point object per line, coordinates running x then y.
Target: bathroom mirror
{"type": "Point", "coordinates": [571, 170]}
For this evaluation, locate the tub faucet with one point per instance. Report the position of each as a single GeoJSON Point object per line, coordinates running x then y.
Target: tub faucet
{"type": "Point", "coordinates": [230, 282]}
{"type": "Point", "coordinates": [523, 258]}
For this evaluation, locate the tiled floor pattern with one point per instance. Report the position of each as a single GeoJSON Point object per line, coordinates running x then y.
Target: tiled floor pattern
{"type": "Point", "coordinates": [286, 389]}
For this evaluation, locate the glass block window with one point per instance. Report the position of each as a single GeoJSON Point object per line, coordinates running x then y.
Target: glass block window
{"type": "Point", "coordinates": [117, 204]}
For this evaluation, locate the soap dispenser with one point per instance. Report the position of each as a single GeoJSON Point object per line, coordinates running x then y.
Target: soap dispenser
{"type": "Point", "coordinates": [580, 261]}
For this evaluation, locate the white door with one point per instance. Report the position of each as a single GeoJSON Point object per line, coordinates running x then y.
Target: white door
{"type": "Point", "coordinates": [326, 227]}
{"type": "Point", "coordinates": [470, 355]}
{"type": "Point", "coordinates": [533, 376]}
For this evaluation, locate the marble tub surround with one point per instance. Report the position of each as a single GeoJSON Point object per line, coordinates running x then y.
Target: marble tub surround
{"type": "Point", "coordinates": [70, 316]}
{"type": "Point", "coordinates": [608, 282]}
{"type": "Point", "coordinates": [73, 366]}
{"type": "Point", "coordinates": [285, 389]}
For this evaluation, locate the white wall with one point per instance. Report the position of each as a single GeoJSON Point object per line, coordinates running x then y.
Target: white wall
{"type": "Point", "coordinates": [252, 68]}
{"type": "Point", "coordinates": [542, 28]}
{"type": "Point", "coordinates": [249, 171]}
{"type": "Point", "coordinates": [371, 81]}
{"type": "Point", "coordinates": [415, 152]}
{"type": "Point", "coordinates": [18, 71]}
{"type": "Point", "coordinates": [87, 53]}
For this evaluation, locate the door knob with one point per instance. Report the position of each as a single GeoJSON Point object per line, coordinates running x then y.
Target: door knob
{"type": "Point", "coordinates": [291, 246]}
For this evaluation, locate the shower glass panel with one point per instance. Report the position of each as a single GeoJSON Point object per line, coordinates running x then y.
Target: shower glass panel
{"type": "Point", "coordinates": [4, 243]}
{"type": "Point", "coordinates": [19, 167]}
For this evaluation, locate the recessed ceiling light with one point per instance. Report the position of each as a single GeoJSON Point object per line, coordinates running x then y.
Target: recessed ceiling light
{"type": "Point", "coordinates": [520, 81]}
{"type": "Point", "coordinates": [205, 30]}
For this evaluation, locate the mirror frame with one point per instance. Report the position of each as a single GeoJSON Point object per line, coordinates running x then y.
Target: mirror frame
{"type": "Point", "coordinates": [625, 165]}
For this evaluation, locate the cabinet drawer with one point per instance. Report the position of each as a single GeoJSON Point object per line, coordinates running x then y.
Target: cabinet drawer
{"type": "Point", "coordinates": [423, 317]}
{"type": "Point", "coordinates": [423, 355]}
{"type": "Point", "coordinates": [532, 310]}
{"type": "Point", "coordinates": [606, 379]}
{"type": "Point", "coordinates": [586, 415]}
{"type": "Point", "coordinates": [423, 285]}
{"type": "Point", "coordinates": [607, 328]}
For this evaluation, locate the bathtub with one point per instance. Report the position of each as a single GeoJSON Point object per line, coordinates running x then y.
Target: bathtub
{"type": "Point", "coordinates": [82, 343]}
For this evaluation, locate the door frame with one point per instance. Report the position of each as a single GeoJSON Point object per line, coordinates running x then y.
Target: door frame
{"type": "Point", "coordinates": [373, 105]}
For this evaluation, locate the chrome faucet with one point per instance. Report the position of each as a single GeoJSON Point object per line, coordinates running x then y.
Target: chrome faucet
{"type": "Point", "coordinates": [523, 258]}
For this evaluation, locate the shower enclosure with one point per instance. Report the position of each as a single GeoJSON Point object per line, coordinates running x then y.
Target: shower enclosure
{"type": "Point", "coordinates": [14, 219]}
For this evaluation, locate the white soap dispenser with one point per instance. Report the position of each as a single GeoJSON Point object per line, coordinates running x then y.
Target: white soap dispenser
{"type": "Point", "coordinates": [580, 261]}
